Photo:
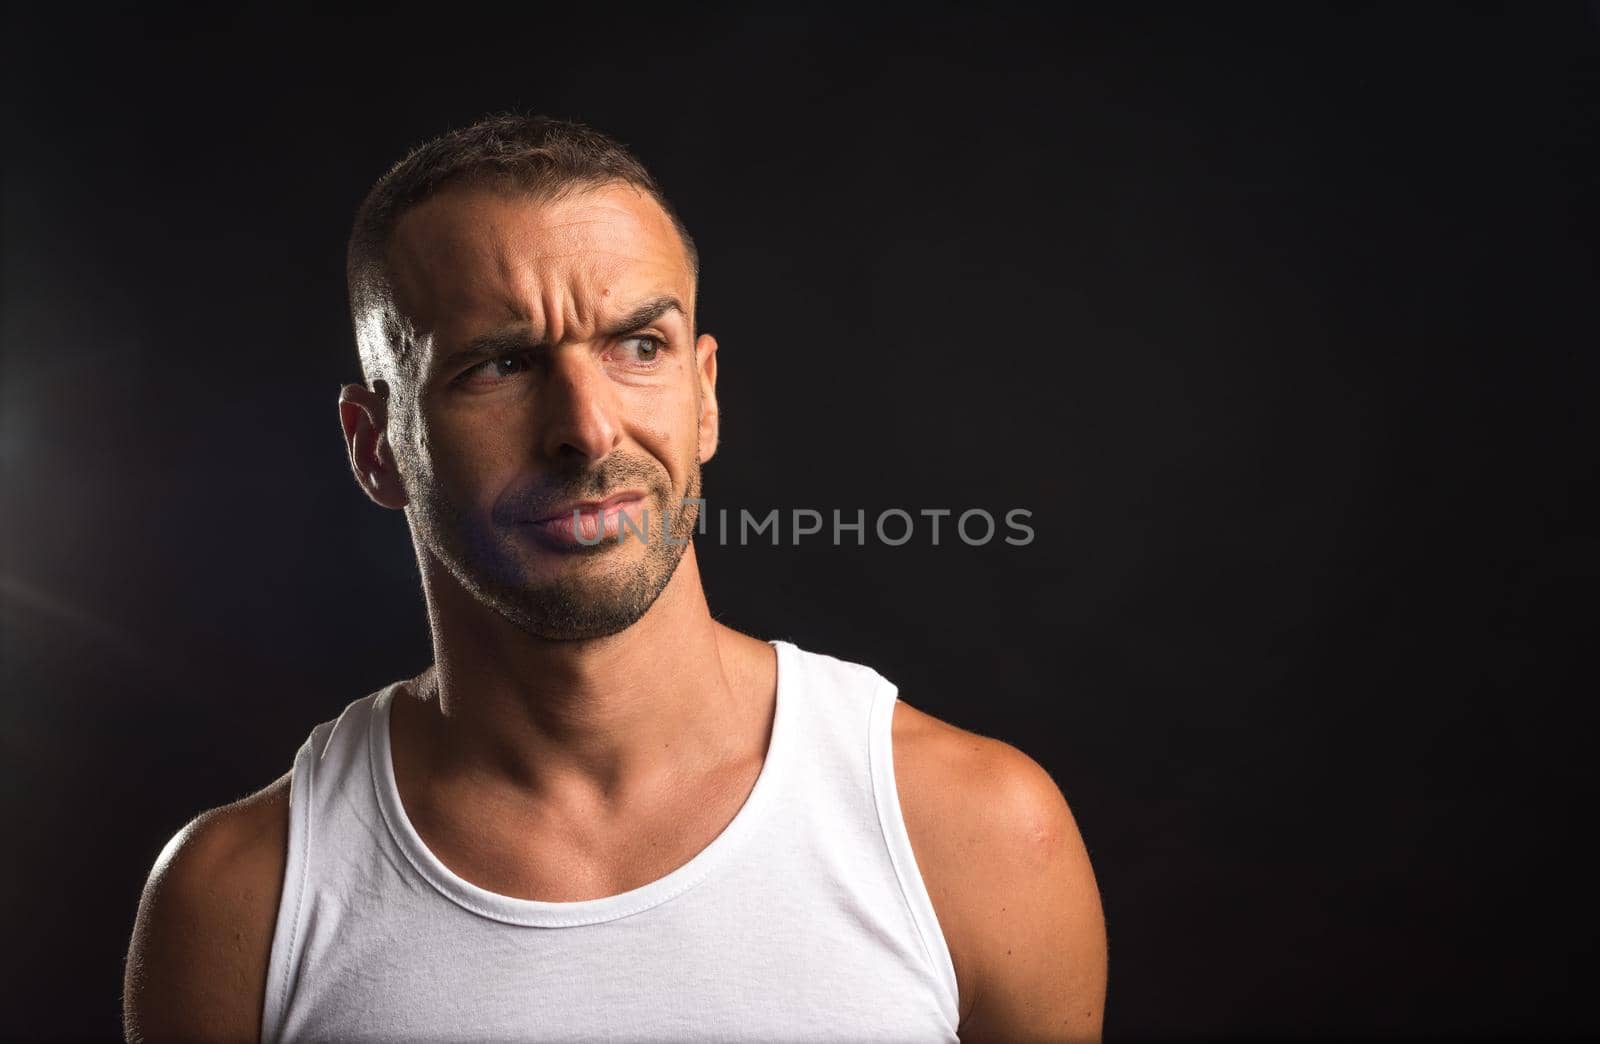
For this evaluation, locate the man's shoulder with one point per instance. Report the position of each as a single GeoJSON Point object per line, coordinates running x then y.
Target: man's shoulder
{"type": "Point", "coordinates": [953, 772]}
{"type": "Point", "coordinates": [999, 851]}
{"type": "Point", "coordinates": [198, 958]}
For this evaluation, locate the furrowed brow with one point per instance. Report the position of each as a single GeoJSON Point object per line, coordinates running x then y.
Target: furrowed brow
{"type": "Point", "coordinates": [527, 338]}
{"type": "Point", "coordinates": [646, 314]}
{"type": "Point", "coordinates": [499, 342]}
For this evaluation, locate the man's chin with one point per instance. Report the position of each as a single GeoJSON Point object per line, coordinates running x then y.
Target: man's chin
{"type": "Point", "coordinates": [573, 621]}
{"type": "Point", "coordinates": [597, 568]}
{"type": "Point", "coordinates": [575, 592]}
{"type": "Point", "coordinates": [590, 599]}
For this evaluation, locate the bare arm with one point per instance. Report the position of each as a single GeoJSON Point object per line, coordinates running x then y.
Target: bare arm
{"type": "Point", "coordinates": [1010, 882]}
{"type": "Point", "coordinates": [197, 964]}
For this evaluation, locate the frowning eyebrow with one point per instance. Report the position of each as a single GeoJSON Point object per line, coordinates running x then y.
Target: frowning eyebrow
{"type": "Point", "coordinates": [527, 337]}
{"type": "Point", "coordinates": [646, 314]}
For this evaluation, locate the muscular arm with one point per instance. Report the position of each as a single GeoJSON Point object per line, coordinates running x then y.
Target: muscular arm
{"type": "Point", "coordinates": [197, 964]}
{"type": "Point", "coordinates": [1010, 881]}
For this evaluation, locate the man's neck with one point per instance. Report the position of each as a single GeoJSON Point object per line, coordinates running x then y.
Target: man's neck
{"type": "Point", "coordinates": [588, 721]}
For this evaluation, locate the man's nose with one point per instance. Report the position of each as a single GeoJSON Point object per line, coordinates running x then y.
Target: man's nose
{"type": "Point", "coordinates": [578, 406]}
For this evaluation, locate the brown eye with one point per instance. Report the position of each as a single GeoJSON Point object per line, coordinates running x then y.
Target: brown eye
{"type": "Point", "coordinates": [647, 348]}
{"type": "Point", "coordinates": [496, 368]}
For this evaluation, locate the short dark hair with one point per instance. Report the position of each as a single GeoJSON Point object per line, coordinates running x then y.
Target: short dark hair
{"type": "Point", "coordinates": [542, 156]}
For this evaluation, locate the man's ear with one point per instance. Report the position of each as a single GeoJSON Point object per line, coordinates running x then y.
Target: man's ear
{"type": "Point", "coordinates": [364, 415]}
{"type": "Point", "coordinates": [705, 356]}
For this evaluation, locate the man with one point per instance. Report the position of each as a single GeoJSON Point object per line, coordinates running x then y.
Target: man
{"type": "Point", "coordinates": [600, 814]}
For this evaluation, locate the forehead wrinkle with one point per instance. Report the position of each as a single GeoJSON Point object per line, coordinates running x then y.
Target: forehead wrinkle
{"type": "Point", "coordinates": [580, 296]}
{"type": "Point", "coordinates": [603, 210]}
{"type": "Point", "coordinates": [598, 273]}
{"type": "Point", "coordinates": [512, 297]}
{"type": "Point", "coordinates": [553, 276]}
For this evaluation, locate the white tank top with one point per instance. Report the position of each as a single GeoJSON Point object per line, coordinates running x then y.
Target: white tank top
{"type": "Point", "coordinates": [806, 919]}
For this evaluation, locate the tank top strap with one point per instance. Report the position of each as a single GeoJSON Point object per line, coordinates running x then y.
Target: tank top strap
{"type": "Point", "coordinates": [848, 716]}
{"type": "Point", "coordinates": [329, 781]}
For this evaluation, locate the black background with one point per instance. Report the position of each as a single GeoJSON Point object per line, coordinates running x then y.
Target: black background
{"type": "Point", "coordinates": [1281, 320]}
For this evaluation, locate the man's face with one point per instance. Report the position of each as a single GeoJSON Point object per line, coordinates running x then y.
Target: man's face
{"type": "Point", "coordinates": [555, 367]}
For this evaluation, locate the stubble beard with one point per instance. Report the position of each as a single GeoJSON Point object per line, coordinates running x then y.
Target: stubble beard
{"type": "Point", "coordinates": [605, 596]}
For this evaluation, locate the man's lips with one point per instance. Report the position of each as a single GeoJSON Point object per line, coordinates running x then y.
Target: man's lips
{"type": "Point", "coordinates": [587, 521]}
{"type": "Point", "coordinates": [589, 506]}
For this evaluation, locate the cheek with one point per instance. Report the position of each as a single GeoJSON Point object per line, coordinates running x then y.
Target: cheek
{"type": "Point", "coordinates": [663, 421]}
{"type": "Point", "coordinates": [469, 458]}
